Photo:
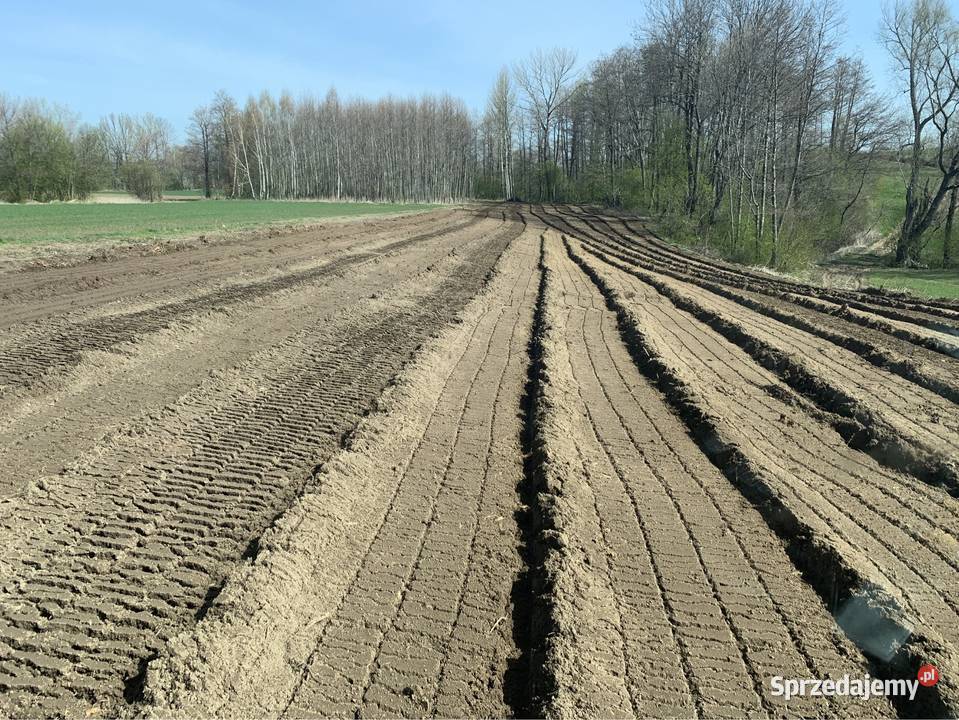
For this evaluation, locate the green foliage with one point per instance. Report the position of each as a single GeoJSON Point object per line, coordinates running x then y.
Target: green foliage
{"type": "Point", "coordinates": [631, 190]}
{"type": "Point", "coordinates": [91, 163]}
{"type": "Point", "coordinates": [40, 159]}
{"type": "Point", "coordinates": [887, 196]}
{"type": "Point", "coordinates": [885, 208]}
{"type": "Point", "coordinates": [79, 222]}
{"type": "Point", "coordinates": [36, 159]}
{"type": "Point", "coordinates": [667, 167]}
{"type": "Point", "coordinates": [826, 215]}
{"type": "Point", "coordinates": [489, 188]}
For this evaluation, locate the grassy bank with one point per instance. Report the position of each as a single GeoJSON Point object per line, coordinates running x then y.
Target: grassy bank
{"type": "Point", "coordinates": [928, 283]}
{"type": "Point", "coordinates": [886, 197]}
{"type": "Point", "coordinates": [79, 222]}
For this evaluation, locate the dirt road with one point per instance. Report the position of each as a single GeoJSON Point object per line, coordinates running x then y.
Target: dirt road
{"type": "Point", "coordinates": [496, 461]}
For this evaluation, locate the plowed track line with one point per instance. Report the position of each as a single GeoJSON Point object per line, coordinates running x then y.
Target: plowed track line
{"type": "Point", "coordinates": [935, 333]}
{"type": "Point", "coordinates": [733, 625]}
{"type": "Point", "coordinates": [125, 548]}
{"type": "Point", "coordinates": [88, 403]}
{"type": "Point", "coordinates": [31, 295]}
{"type": "Point", "coordinates": [414, 616]}
{"type": "Point", "coordinates": [931, 312]}
{"type": "Point", "coordinates": [880, 527]}
{"type": "Point", "coordinates": [905, 426]}
{"type": "Point", "coordinates": [423, 644]}
{"type": "Point", "coordinates": [877, 345]}
{"type": "Point", "coordinates": [930, 317]}
{"type": "Point", "coordinates": [913, 428]}
{"type": "Point", "coordinates": [42, 350]}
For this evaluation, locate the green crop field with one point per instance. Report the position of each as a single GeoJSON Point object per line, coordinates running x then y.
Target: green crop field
{"type": "Point", "coordinates": [79, 222]}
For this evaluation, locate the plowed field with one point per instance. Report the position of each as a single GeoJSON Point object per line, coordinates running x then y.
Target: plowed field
{"type": "Point", "coordinates": [486, 462]}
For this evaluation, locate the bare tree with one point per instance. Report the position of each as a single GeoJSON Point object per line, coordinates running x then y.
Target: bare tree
{"type": "Point", "coordinates": [686, 29]}
{"type": "Point", "coordinates": [500, 118]}
{"type": "Point", "coordinates": [923, 39]}
{"type": "Point", "coordinates": [8, 109]}
{"type": "Point", "coordinates": [545, 77]}
{"type": "Point", "coordinates": [399, 150]}
{"type": "Point", "coordinates": [201, 138]}
{"type": "Point", "coordinates": [948, 229]}
{"type": "Point", "coordinates": [119, 131]}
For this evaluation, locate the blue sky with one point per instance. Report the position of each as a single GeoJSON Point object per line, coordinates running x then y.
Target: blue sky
{"type": "Point", "coordinates": [168, 57]}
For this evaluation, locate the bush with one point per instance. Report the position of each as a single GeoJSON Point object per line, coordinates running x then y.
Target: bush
{"type": "Point", "coordinates": [43, 158]}
{"type": "Point", "coordinates": [36, 159]}
{"type": "Point", "coordinates": [143, 179]}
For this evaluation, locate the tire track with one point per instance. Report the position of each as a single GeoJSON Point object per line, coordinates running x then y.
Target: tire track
{"type": "Point", "coordinates": [422, 648]}
{"type": "Point", "coordinates": [42, 431]}
{"type": "Point", "coordinates": [43, 350]}
{"type": "Point", "coordinates": [131, 544]}
{"type": "Point", "coordinates": [30, 295]}
{"type": "Point", "coordinates": [439, 642]}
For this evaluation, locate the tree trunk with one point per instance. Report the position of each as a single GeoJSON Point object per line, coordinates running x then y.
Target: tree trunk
{"type": "Point", "coordinates": [947, 231]}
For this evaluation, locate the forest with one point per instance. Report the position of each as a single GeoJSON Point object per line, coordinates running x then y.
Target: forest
{"type": "Point", "coordinates": [735, 122]}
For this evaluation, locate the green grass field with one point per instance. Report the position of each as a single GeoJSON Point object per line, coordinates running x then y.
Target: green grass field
{"type": "Point", "coordinates": [887, 197]}
{"type": "Point", "coordinates": [887, 204]}
{"type": "Point", "coordinates": [79, 222]}
{"type": "Point", "coordinates": [929, 283]}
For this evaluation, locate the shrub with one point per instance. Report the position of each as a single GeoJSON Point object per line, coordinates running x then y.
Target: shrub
{"type": "Point", "coordinates": [143, 179]}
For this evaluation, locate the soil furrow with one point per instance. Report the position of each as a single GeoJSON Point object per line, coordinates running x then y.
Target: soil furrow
{"type": "Point", "coordinates": [30, 296]}
{"type": "Point", "coordinates": [899, 423]}
{"type": "Point", "coordinates": [916, 313]}
{"type": "Point", "coordinates": [42, 350]}
{"type": "Point", "coordinates": [932, 313]}
{"type": "Point", "coordinates": [929, 333]}
{"type": "Point", "coordinates": [413, 616]}
{"type": "Point", "coordinates": [732, 624]}
{"type": "Point", "coordinates": [110, 558]}
{"type": "Point", "coordinates": [816, 491]}
{"type": "Point", "coordinates": [42, 429]}
{"type": "Point", "coordinates": [492, 461]}
{"type": "Point", "coordinates": [877, 345]}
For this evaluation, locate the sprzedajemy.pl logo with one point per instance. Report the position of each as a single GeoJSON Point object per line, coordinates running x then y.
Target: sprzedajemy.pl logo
{"type": "Point", "coordinates": [862, 687]}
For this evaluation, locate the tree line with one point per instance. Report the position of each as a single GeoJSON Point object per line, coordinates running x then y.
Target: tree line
{"type": "Point", "coordinates": [738, 122]}
{"type": "Point", "coordinates": [392, 149]}
{"type": "Point", "coordinates": [45, 154]}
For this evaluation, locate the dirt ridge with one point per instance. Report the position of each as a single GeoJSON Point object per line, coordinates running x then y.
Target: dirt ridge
{"type": "Point", "coordinates": [824, 565]}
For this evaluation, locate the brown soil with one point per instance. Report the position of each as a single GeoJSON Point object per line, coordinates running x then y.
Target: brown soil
{"type": "Point", "coordinates": [485, 462]}
{"type": "Point", "coordinates": [387, 601]}
{"type": "Point", "coordinates": [663, 565]}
